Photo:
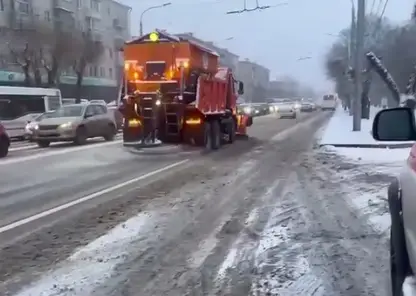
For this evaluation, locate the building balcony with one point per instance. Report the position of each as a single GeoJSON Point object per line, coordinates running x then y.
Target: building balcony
{"type": "Point", "coordinates": [64, 5]}
{"type": "Point", "coordinates": [119, 24]}
{"type": "Point", "coordinates": [92, 13]}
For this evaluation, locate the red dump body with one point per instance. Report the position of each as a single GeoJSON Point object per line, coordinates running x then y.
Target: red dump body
{"type": "Point", "coordinates": [216, 94]}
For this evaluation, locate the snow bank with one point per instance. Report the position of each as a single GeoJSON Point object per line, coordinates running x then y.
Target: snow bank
{"type": "Point", "coordinates": [376, 156]}
{"type": "Point", "coordinates": [339, 130]}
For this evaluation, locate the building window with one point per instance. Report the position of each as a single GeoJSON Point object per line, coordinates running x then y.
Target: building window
{"type": "Point", "coordinates": [109, 11]}
{"type": "Point", "coordinates": [102, 72]}
{"type": "Point", "coordinates": [95, 5]}
{"type": "Point", "coordinates": [110, 53]}
{"type": "Point", "coordinates": [47, 16]}
{"type": "Point", "coordinates": [23, 6]}
{"type": "Point", "coordinates": [2, 5]}
{"type": "Point", "coordinates": [95, 71]}
{"type": "Point", "coordinates": [110, 72]}
{"type": "Point", "coordinates": [79, 3]}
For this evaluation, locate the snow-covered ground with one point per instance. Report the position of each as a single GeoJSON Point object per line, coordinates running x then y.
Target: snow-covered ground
{"type": "Point", "coordinates": [339, 130]}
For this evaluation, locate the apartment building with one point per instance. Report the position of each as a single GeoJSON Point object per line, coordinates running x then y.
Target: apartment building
{"type": "Point", "coordinates": [107, 20]}
{"type": "Point", "coordinates": [226, 59]}
{"type": "Point", "coordinates": [255, 78]}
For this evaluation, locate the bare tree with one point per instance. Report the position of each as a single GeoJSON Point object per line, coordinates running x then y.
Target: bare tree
{"type": "Point", "coordinates": [57, 55]}
{"type": "Point", "coordinates": [24, 59]}
{"type": "Point", "coordinates": [88, 52]}
{"type": "Point", "coordinates": [46, 49]}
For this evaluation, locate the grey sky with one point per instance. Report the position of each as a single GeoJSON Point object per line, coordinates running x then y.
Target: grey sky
{"type": "Point", "coordinates": [276, 38]}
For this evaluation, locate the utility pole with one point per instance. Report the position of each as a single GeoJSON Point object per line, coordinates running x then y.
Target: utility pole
{"type": "Point", "coordinates": [351, 59]}
{"type": "Point", "coordinates": [359, 61]}
{"type": "Point", "coordinates": [146, 10]}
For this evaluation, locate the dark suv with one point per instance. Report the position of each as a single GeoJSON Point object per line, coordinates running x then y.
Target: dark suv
{"type": "Point", "coordinates": [4, 142]}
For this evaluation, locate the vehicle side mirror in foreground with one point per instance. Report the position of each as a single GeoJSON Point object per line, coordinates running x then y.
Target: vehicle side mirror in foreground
{"type": "Point", "coordinates": [240, 88]}
{"type": "Point", "coordinates": [396, 124]}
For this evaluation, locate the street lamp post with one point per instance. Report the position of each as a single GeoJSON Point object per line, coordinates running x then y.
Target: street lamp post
{"type": "Point", "coordinates": [146, 10]}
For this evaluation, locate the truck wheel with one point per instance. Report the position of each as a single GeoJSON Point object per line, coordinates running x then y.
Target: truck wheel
{"type": "Point", "coordinates": [399, 260]}
{"type": "Point", "coordinates": [231, 132]}
{"type": "Point", "coordinates": [207, 136]}
{"type": "Point", "coordinates": [215, 135]}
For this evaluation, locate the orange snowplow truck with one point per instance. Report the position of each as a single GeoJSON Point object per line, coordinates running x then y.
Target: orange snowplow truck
{"type": "Point", "coordinates": [175, 92]}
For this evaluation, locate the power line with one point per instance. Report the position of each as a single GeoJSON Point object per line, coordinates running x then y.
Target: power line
{"type": "Point", "coordinates": [372, 6]}
{"type": "Point", "coordinates": [384, 9]}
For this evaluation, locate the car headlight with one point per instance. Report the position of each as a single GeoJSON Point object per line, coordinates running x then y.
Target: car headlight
{"type": "Point", "coordinates": [272, 109]}
{"type": "Point", "coordinates": [158, 103]}
{"type": "Point", "coordinates": [247, 110]}
{"type": "Point", "coordinates": [67, 125]}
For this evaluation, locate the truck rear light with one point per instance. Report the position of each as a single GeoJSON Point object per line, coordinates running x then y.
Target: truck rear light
{"type": "Point", "coordinates": [193, 121]}
{"type": "Point", "coordinates": [134, 123]}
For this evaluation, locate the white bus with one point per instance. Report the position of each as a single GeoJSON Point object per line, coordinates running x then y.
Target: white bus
{"type": "Point", "coordinates": [19, 105]}
{"type": "Point", "coordinates": [329, 102]}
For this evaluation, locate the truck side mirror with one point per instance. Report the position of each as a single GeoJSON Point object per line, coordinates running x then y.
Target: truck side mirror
{"type": "Point", "coordinates": [240, 88]}
{"type": "Point", "coordinates": [396, 124]}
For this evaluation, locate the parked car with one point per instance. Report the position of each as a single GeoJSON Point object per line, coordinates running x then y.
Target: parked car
{"type": "Point", "coordinates": [398, 125]}
{"type": "Point", "coordinates": [4, 142]}
{"type": "Point", "coordinates": [75, 123]}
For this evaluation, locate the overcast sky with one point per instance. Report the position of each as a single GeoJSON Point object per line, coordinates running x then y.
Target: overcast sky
{"type": "Point", "coordinates": [275, 38]}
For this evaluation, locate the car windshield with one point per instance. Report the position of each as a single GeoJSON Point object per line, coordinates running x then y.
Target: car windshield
{"type": "Point", "coordinates": [66, 111]}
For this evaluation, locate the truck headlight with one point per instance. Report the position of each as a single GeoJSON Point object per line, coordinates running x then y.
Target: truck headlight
{"type": "Point", "coordinates": [247, 110]}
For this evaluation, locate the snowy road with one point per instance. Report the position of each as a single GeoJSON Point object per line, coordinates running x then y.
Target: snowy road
{"type": "Point", "coordinates": [266, 216]}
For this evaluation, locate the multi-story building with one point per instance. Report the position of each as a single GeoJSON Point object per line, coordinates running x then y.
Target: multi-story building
{"type": "Point", "coordinates": [255, 78]}
{"type": "Point", "coordinates": [107, 21]}
{"type": "Point", "coordinates": [226, 59]}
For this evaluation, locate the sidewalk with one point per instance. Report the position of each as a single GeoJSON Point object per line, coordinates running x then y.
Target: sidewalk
{"type": "Point", "coordinates": [338, 133]}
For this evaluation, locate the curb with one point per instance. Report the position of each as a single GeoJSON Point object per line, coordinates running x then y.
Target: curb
{"type": "Point", "coordinates": [376, 146]}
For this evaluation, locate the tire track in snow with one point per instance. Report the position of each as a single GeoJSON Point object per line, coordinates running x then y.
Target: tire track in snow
{"type": "Point", "coordinates": [347, 251]}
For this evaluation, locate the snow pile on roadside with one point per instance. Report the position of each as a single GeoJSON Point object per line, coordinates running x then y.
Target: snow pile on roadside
{"type": "Point", "coordinates": [339, 130]}
{"type": "Point", "coordinates": [378, 158]}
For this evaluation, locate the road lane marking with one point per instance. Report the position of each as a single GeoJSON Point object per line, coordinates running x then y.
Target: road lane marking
{"type": "Point", "coordinates": [57, 152]}
{"type": "Point", "coordinates": [86, 198]}
{"type": "Point", "coordinates": [28, 146]}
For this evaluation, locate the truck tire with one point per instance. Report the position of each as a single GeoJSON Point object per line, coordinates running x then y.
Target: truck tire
{"type": "Point", "coordinates": [231, 132]}
{"type": "Point", "coordinates": [215, 135]}
{"type": "Point", "coordinates": [207, 137]}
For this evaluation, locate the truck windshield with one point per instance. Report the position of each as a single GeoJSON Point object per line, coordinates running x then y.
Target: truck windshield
{"type": "Point", "coordinates": [66, 111]}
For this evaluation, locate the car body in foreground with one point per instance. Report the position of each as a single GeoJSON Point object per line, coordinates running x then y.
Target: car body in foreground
{"type": "Point", "coordinates": [4, 141]}
{"type": "Point", "coordinates": [75, 123]}
{"type": "Point", "coordinates": [398, 125]}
